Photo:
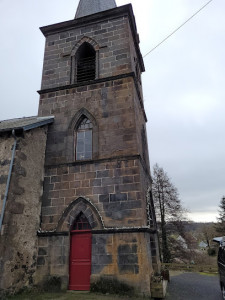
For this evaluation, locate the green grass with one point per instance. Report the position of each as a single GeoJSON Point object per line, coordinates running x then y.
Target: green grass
{"type": "Point", "coordinates": [68, 296]}
{"type": "Point", "coordinates": [208, 274]}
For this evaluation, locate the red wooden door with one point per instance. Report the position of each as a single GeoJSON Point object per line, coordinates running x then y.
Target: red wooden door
{"type": "Point", "coordinates": [80, 260]}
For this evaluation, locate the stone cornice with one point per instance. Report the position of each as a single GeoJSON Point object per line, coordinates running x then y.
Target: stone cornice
{"type": "Point", "coordinates": [102, 231]}
{"type": "Point", "coordinates": [102, 160]}
{"type": "Point", "coordinates": [85, 83]}
{"type": "Point", "coordinates": [96, 81]}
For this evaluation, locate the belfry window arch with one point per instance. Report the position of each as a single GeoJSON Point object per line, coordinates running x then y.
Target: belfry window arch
{"type": "Point", "coordinates": [85, 56]}
{"type": "Point", "coordinates": [83, 139]}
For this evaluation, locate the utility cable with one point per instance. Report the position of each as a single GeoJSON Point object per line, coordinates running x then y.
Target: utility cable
{"type": "Point", "coordinates": [177, 28]}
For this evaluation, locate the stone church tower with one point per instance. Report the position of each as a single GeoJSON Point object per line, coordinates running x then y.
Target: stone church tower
{"type": "Point", "coordinates": [97, 216]}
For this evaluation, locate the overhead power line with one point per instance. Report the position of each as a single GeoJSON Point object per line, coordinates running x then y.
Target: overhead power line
{"type": "Point", "coordinates": [178, 28]}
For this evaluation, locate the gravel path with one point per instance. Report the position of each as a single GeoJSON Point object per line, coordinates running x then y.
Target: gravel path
{"type": "Point", "coordinates": [193, 286]}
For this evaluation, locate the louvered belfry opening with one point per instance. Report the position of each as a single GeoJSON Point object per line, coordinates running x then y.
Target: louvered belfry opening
{"type": "Point", "coordinates": [86, 63]}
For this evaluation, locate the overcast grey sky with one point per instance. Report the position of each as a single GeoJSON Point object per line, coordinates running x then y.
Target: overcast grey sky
{"type": "Point", "coordinates": [183, 85]}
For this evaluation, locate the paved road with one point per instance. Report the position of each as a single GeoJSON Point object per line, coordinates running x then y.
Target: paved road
{"type": "Point", "coordinates": [193, 286]}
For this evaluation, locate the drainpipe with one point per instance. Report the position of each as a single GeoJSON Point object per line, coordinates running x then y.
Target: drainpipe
{"type": "Point", "coordinates": [8, 180]}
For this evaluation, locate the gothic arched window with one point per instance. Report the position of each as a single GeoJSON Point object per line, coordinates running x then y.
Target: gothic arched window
{"type": "Point", "coordinates": [85, 63]}
{"type": "Point", "coordinates": [83, 139]}
{"type": "Point", "coordinates": [81, 223]}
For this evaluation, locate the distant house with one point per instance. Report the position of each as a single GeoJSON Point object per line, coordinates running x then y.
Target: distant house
{"type": "Point", "coordinates": [202, 245]}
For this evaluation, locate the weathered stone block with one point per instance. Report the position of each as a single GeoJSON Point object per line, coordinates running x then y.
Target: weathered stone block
{"type": "Point", "coordinates": [16, 207]}
{"type": "Point", "coordinates": [63, 170]}
{"type": "Point", "coordinates": [127, 187]}
{"type": "Point", "coordinates": [90, 175]}
{"type": "Point", "coordinates": [75, 184]}
{"type": "Point", "coordinates": [96, 182]}
{"type": "Point", "coordinates": [118, 197]}
{"type": "Point", "coordinates": [96, 269]}
{"type": "Point", "coordinates": [103, 190]}
{"type": "Point", "coordinates": [4, 162]}
{"type": "Point", "coordinates": [19, 170]}
{"type": "Point", "coordinates": [61, 186]}
{"type": "Point", "coordinates": [74, 169]}
{"type": "Point", "coordinates": [131, 204]}
{"type": "Point", "coordinates": [53, 194]}
{"type": "Point", "coordinates": [128, 179]}
{"type": "Point", "coordinates": [42, 251]}
{"type": "Point", "coordinates": [105, 259]}
{"type": "Point", "coordinates": [40, 261]}
{"type": "Point", "coordinates": [68, 193]}
{"type": "Point", "coordinates": [45, 200]}
{"type": "Point", "coordinates": [3, 179]}
{"type": "Point", "coordinates": [105, 173]}
{"type": "Point", "coordinates": [49, 211]}
{"type": "Point", "coordinates": [104, 198]}
{"type": "Point", "coordinates": [79, 176]}
{"type": "Point", "coordinates": [55, 179]}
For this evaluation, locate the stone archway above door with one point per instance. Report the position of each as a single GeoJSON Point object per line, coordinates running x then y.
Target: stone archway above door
{"type": "Point", "coordinates": [74, 209]}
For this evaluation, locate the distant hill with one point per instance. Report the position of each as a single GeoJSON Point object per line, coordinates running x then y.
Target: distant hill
{"type": "Point", "coordinates": [195, 226]}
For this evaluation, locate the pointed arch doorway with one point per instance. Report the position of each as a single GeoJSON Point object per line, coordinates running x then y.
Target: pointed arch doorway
{"type": "Point", "coordinates": [80, 254]}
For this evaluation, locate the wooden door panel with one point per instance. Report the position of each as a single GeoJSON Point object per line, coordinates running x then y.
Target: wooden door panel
{"type": "Point", "coordinates": [80, 261]}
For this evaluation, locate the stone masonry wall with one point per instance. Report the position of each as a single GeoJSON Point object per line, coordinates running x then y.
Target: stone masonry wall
{"type": "Point", "coordinates": [6, 145]}
{"type": "Point", "coordinates": [53, 259]}
{"type": "Point", "coordinates": [112, 38]}
{"type": "Point", "coordinates": [124, 256]}
{"type": "Point", "coordinates": [111, 104]}
{"type": "Point", "coordinates": [113, 186]}
{"type": "Point", "coordinates": [18, 240]}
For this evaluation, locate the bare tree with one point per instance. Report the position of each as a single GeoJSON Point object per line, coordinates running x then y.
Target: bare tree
{"type": "Point", "coordinates": [208, 233]}
{"type": "Point", "coordinates": [167, 205]}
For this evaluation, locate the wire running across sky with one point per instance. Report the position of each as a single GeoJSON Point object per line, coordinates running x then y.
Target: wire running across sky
{"type": "Point", "coordinates": [178, 28]}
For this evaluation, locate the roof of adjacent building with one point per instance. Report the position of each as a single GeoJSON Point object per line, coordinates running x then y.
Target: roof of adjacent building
{"type": "Point", "coordinates": [90, 7]}
{"type": "Point", "coordinates": [25, 123]}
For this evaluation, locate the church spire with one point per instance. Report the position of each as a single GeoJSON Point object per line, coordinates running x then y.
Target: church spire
{"type": "Point", "coordinates": [89, 7]}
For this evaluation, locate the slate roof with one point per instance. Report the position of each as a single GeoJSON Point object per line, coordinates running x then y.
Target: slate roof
{"type": "Point", "coordinates": [25, 124]}
{"type": "Point", "coordinates": [89, 7]}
